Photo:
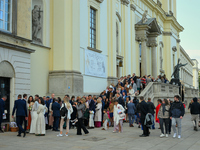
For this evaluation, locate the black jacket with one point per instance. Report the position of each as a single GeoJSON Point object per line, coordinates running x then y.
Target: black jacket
{"type": "Point", "coordinates": [144, 108]}
{"type": "Point", "coordinates": [151, 107]}
{"type": "Point", "coordinates": [121, 101]}
{"type": "Point", "coordinates": [195, 108]}
{"type": "Point", "coordinates": [177, 109]}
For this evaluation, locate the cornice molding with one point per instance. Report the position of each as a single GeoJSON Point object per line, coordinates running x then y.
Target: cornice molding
{"type": "Point", "coordinates": [100, 1]}
{"type": "Point", "coordinates": [159, 3]}
{"type": "Point", "coordinates": [16, 47]}
{"type": "Point", "coordinates": [167, 33]}
{"type": "Point", "coordinates": [118, 15]}
{"type": "Point", "coordinates": [133, 7]}
{"type": "Point", "coordinates": [125, 2]}
{"type": "Point", "coordinates": [183, 52]}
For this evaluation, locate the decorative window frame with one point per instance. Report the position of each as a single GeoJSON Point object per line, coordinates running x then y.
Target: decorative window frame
{"type": "Point", "coordinates": [95, 5]}
{"type": "Point", "coordinates": [10, 19]}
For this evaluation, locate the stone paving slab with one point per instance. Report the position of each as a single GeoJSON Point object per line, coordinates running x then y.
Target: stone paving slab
{"type": "Point", "coordinates": [128, 140]}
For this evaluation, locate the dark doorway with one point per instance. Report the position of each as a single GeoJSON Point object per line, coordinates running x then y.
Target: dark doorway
{"type": "Point", "coordinates": [5, 90]}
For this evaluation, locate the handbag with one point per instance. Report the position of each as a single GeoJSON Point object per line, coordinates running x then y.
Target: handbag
{"type": "Point", "coordinates": [122, 115]}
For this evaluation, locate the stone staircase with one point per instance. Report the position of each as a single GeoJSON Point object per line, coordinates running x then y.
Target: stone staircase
{"type": "Point", "coordinates": [155, 91]}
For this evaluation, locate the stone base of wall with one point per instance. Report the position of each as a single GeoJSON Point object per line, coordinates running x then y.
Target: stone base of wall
{"type": "Point", "coordinates": [66, 82]}
{"type": "Point", "coordinates": [112, 80]}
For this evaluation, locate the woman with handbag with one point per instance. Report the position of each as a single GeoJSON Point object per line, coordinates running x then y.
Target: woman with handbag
{"type": "Point", "coordinates": [66, 117]}
{"type": "Point", "coordinates": [118, 117]}
{"type": "Point", "coordinates": [80, 110]}
{"type": "Point", "coordinates": [163, 116]}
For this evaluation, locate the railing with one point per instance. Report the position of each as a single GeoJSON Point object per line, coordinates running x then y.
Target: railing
{"type": "Point", "coordinates": [156, 90]}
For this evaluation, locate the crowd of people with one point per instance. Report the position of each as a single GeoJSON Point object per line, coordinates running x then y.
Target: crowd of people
{"type": "Point", "coordinates": [112, 108]}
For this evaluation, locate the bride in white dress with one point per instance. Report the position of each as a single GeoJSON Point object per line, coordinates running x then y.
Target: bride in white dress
{"type": "Point", "coordinates": [34, 117]}
{"type": "Point", "coordinates": [40, 123]}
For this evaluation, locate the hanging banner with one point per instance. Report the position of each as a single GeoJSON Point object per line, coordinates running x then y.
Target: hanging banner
{"type": "Point", "coordinates": [95, 64]}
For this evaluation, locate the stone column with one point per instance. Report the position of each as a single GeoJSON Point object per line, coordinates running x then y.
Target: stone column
{"type": "Point", "coordinates": [154, 60]}
{"type": "Point", "coordinates": [152, 42]}
{"type": "Point", "coordinates": [143, 57]}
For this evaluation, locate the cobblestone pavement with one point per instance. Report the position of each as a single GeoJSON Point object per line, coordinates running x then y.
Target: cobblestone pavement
{"type": "Point", "coordinates": [99, 139]}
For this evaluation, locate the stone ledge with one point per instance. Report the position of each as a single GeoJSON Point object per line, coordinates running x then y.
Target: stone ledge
{"type": "Point", "coordinates": [16, 47]}
{"type": "Point", "coordinates": [14, 36]}
{"type": "Point", "coordinates": [64, 72]}
{"type": "Point", "coordinates": [39, 45]}
{"type": "Point", "coordinates": [94, 49]}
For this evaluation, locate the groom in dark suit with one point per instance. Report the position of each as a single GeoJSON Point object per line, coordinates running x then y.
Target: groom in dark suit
{"type": "Point", "coordinates": [56, 114]}
{"type": "Point", "coordinates": [2, 107]}
{"type": "Point", "coordinates": [21, 114]}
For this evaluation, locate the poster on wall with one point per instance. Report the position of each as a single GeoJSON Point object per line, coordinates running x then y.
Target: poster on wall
{"type": "Point", "coordinates": [95, 64]}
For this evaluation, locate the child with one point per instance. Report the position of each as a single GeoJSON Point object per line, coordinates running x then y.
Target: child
{"type": "Point", "coordinates": [105, 120]}
{"type": "Point", "coordinates": [108, 112]}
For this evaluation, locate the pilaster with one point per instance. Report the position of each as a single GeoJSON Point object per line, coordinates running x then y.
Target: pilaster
{"type": "Point", "coordinates": [124, 36]}
{"type": "Point", "coordinates": [111, 34]}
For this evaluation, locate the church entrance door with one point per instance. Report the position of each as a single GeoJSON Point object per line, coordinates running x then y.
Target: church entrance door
{"type": "Point", "coordinates": [5, 91]}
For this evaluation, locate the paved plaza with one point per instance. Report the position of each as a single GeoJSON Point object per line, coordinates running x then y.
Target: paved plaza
{"type": "Point", "coordinates": [98, 139]}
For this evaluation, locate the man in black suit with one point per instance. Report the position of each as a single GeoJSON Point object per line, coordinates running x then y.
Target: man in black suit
{"type": "Point", "coordinates": [120, 100]}
{"type": "Point", "coordinates": [134, 78]}
{"type": "Point", "coordinates": [2, 107]}
{"type": "Point", "coordinates": [56, 114]}
{"type": "Point", "coordinates": [25, 99]}
{"type": "Point", "coordinates": [21, 114]}
{"type": "Point", "coordinates": [144, 108]}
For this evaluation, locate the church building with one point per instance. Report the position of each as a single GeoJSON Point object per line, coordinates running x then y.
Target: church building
{"type": "Point", "coordinates": [79, 47]}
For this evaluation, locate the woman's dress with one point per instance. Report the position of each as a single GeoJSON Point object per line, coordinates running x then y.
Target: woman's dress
{"type": "Point", "coordinates": [40, 123]}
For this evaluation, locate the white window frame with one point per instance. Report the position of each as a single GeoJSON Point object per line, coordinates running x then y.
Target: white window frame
{"type": "Point", "coordinates": [10, 19]}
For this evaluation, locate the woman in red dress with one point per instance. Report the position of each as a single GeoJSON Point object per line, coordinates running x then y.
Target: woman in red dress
{"type": "Point", "coordinates": [157, 110]}
{"type": "Point", "coordinates": [29, 106]}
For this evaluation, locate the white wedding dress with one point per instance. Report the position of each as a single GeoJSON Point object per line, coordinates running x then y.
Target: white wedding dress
{"type": "Point", "coordinates": [34, 117]}
{"type": "Point", "coordinates": [40, 123]}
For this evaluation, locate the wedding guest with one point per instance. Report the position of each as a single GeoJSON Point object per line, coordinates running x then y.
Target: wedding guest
{"type": "Point", "coordinates": [98, 114]}
{"type": "Point", "coordinates": [163, 116]}
{"type": "Point", "coordinates": [67, 117]}
{"type": "Point", "coordinates": [157, 110]}
{"type": "Point", "coordinates": [131, 112]}
{"type": "Point", "coordinates": [56, 114]}
{"type": "Point", "coordinates": [30, 106]}
{"type": "Point", "coordinates": [40, 123]}
{"type": "Point", "coordinates": [34, 114]}
{"type": "Point", "coordinates": [80, 109]}
{"type": "Point", "coordinates": [105, 120]}
{"type": "Point", "coordinates": [51, 118]}
{"type": "Point", "coordinates": [92, 111]}
{"type": "Point", "coordinates": [118, 117]}
{"type": "Point", "coordinates": [21, 114]}
{"type": "Point", "coordinates": [2, 107]}
{"type": "Point", "coordinates": [111, 108]}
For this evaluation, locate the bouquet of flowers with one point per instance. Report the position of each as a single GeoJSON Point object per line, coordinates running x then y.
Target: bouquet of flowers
{"type": "Point", "coordinates": [30, 108]}
{"type": "Point", "coordinates": [13, 124]}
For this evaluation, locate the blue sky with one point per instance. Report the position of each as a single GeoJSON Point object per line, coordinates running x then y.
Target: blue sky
{"type": "Point", "coordinates": [188, 15]}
